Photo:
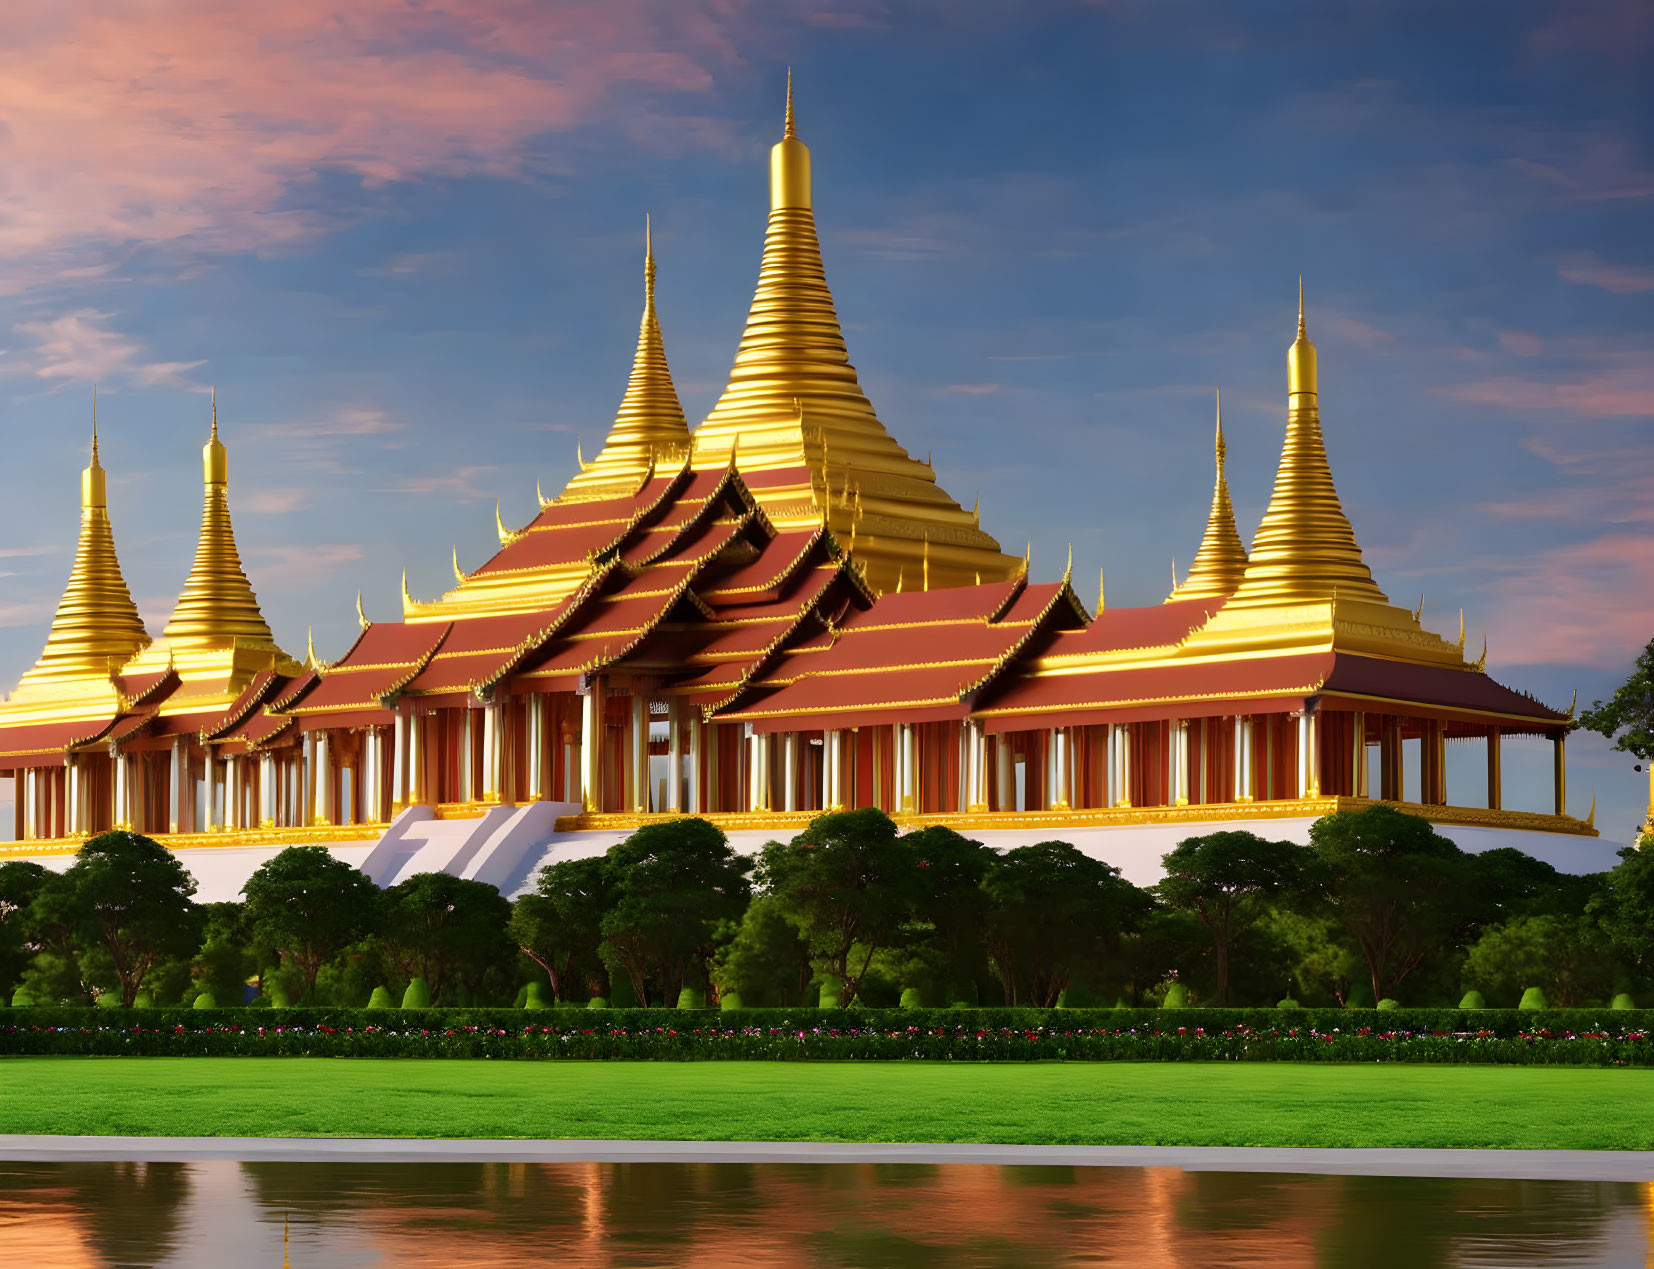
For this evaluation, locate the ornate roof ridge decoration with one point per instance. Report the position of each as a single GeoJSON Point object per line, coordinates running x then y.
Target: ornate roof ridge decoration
{"type": "Point", "coordinates": [96, 628]}
{"type": "Point", "coordinates": [650, 423]}
{"type": "Point", "coordinates": [152, 693]}
{"type": "Point", "coordinates": [996, 711]}
{"type": "Point", "coordinates": [506, 536]}
{"type": "Point", "coordinates": [92, 737]}
{"type": "Point", "coordinates": [261, 686]}
{"type": "Point", "coordinates": [576, 604]}
{"type": "Point", "coordinates": [781, 575]}
{"type": "Point", "coordinates": [294, 691]}
{"type": "Point", "coordinates": [217, 603]}
{"type": "Point", "coordinates": [387, 697]}
{"type": "Point", "coordinates": [1063, 594]}
{"type": "Point", "coordinates": [771, 651]}
{"type": "Point", "coordinates": [1220, 563]}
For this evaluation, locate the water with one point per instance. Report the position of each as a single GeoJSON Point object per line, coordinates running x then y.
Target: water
{"type": "Point", "coordinates": [483, 1215]}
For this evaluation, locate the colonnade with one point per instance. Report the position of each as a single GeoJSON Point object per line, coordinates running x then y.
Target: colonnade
{"type": "Point", "coordinates": [627, 749]}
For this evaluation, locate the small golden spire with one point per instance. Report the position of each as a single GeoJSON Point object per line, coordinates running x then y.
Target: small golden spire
{"type": "Point", "coordinates": [459, 573]}
{"type": "Point", "coordinates": [96, 628]}
{"type": "Point", "coordinates": [1102, 591]}
{"type": "Point", "coordinates": [310, 648]}
{"type": "Point", "coordinates": [789, 130]}
{"type": "Point", "coordinates": [1220, 563]}
{"type": "Point", "coordinates": [407, 599]}
{"type": "Point", "coordinates": [217, 605]}
{"type": "Point", "coordinates": [1068, 568]}
{"type": "Point", "coordinates": [650, 422]}
{"type": "Point", "coordinates": [927, 562]}
{"type": "Point", "coordinates": [361, 617]}
{"type": "Point", "coordinates": [1461, 630]}
{"type": "Point", "coordinates": [899, 574]}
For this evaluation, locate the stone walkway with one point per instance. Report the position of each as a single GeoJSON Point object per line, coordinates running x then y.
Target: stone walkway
{"type": "Point", "coordinates": [1582, 1165]}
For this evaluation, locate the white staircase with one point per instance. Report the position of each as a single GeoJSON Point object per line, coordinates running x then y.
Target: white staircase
{"type": "Point", "coordinates": [499, 847]}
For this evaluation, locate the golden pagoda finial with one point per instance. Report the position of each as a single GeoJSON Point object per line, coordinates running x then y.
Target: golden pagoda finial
{"type": "Point", "coordinates": [217, 606]}
{"type": "Point", "coordinates": [407, 599]}
{"type": "Point", "coordinates": [1461, 630]}
{"type": "Point", "coordinates": [976, 509]}
{"type": "Point", "coordinates": [789, 130]}
{"type": "Point", "coordinates": [361, 617]}
{"type": "Point", "coordinates": [650, 421]}
{"type": "Point", "coordinates": [1418, 613]}
{"type": "Point", "coordinates": [1068, 568]}
{"type": "Point", "coordinates": [96, 627]}
{"type": "Point", "coordinates": [1220, 563]}
{"type": "Point", "coordinates": [310, 660]}
{"type": "Point", "coordinates": [1304, 549]}
{"type": "Point", "coordinates": [1302, 332]}
{"type": "Point", "coordinates": [927, 563]}
{"type": "Point", "coordinates": [1102, 591]}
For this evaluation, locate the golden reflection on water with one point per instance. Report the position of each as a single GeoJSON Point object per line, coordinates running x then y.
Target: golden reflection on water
{"type": "Point", "coordinates": [695, 1214]}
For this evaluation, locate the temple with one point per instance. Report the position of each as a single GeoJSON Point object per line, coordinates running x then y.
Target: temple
{"type": "Point", "coordinates": [775, 613]}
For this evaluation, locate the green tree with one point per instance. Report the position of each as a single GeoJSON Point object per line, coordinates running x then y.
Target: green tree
{"type": "Point", "coordinates": [1510, 883]}
{"type": "Point", "coordinates": [767, 961]}
{"type": "Point", "coordinates": [560, 926]}
{"type": "Point", "coordinates": [1566, 957]}
{"type": "Point", "coordinates": [20, 881]}
{"type": "Point", "coordinates": [850, 885]}
{"type": "Point", "coordinates": [1226, 880]}
{"type": "Point", "coordinates": [949, 908]}
{"type": "Point", "coordinates": [1627, 717]}
{"type": "Point", "coordinates": [129, 897]}
{"type": "Point", "coordinates": [1625, 907]}
{"type": "Point", "coordinates": [674, 883]}
{"type": "Point", "coordinates": [1053, 910]}
{"type": "Point", "coordinates": [309, 907]}
{"type": "Point", "coordinates": [223, 963]}
{"type": "Point", "coordinates": [1401, 891]}
{"type": "Point", "coordinates": [448, 930]}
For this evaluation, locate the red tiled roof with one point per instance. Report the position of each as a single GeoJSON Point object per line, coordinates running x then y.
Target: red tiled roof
{"type": "Point", "coordinates": [42, 744]}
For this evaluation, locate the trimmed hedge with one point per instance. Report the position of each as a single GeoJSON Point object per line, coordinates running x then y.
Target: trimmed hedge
{"type": "Point", "coordinates": [1559, 1037]}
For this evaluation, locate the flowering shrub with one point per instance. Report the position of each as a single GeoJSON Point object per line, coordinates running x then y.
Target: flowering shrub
{"type": "Point", "coordinates": [884, 1035]}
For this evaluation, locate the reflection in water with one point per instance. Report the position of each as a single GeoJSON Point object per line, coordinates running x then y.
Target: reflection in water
{"type": "Point", "coordinates": [696, 1214]}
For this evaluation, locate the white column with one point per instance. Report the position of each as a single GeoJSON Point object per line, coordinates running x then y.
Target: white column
{"type": "Point", "coordinates": [214, 821]}
{"type": "Point", "coordinates": [758, 793]}
{"type": "Point", "coordinates": [1303, 753]}
{"type": "Point", "coordinates": [674, 754]}
{"type": "Point", "coordinates": [789, 771]}
{"type": "Point", "coordinates": [493, 751]}
{"type": "Point", "coordinates": [26, 791]}
{"type": "Point", "coordinates": [591, 747]}
{"type": "Point", "coordinates": [1004, 773]}
{"type": "Point", "coordinates": [1122, 764]}
{"type": "Point", "coordinates": [697, 736]}
{"type": "Point", "coordinates": [320, 780]}
{"type": "Point", "coordinates": [640, 752]}
{"type": "Point", "coordinates": [1056, 789]}
{"type": "Point", "coordinates": [535, 721]}
{"type": "Point", "coordinates": [267, 790]}
{"type": "Point", "coordinates": [977, 738]}
{"type": "Point", "coordinates": [1178, 756]}
{"type": "Point", "coordinates": [1244, 782]}
{"type": "Point", "coordinates": [413, 766]}
{"type": "Point", "coordinates": [370, 775]}
{"type": "Point", "coordinates": [399, 762]}
{"type": "Point", "coordinates": [832, 794]}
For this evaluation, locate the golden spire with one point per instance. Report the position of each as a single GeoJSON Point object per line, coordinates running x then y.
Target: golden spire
{"type": "Point", "coordinates": [650, 424]}
{"type": "Point", "coordinates": [1221, 561]}
{"type": "Point", "coordinates": [97, 628]}
{"type": "Point", "coordinates": [788, 129]}
{"type": "Point", "coordinates": [793, 396]}
{"type": "Point", "coordinates": [217, 606]}
{"type": "Point", "coordinates": [1305, 549]}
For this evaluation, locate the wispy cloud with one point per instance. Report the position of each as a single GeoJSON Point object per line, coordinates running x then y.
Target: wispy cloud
{"type": "Point", "coordinates": [26, 613]}
{"type": "Point", "coordinates": [202, 119]}
{"type": "Point", "coordinates": [1616, 385]}
{"type": "Point", "coordinates": [282, 565]}
{"type": "Point", "coordinates": [83, 345]}
{"type": "Point", "coordinates": [1587, 269]}
{"type": "Point", "coordinates": [459, 484]}
{"type": "Point", "coordinates": [273, 502]}
{"type": "Point", "coordinates": [1586, 603]}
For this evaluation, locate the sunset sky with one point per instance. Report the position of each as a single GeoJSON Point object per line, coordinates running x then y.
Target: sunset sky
{"type": "Point", "coordinates": [404, 240]}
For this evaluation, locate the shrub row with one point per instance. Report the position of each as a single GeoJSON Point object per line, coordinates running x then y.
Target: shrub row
{"type": "Point", "coordinates": [1572, 1037]}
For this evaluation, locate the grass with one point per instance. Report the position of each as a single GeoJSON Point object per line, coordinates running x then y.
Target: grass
{"type": "Point", "coordinates": [1125, 1103]}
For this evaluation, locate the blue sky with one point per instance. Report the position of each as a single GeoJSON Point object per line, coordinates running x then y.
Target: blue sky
{"type": "Point", "coordinates": [404, 242]}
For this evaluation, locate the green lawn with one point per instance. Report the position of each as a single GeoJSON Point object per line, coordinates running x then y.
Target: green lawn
{"type": "Point", "coordinates": [1174, 1103]}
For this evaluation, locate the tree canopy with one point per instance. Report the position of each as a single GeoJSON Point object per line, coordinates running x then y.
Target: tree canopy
{"type": "Point", "coordinates": [1628, 715]}
{"type": "Point", "coordinates": [310, 906]}
{"type": "Point", "coordinates": [129, 897]}
{"type": "Point", "coordinates": [447, 930]}
{"type": "Point", "coordinates": [1225, 879]}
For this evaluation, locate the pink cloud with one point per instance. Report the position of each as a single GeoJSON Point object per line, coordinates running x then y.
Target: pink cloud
{"type": "Point", "coordinates": [1622, 388]}
{"type": "Point", "coordinates": [201, 119]}
{"type": "Point", "coordinates": [1521, 343]}
{"type": "Point", "coordinates": [1587, 270]}
{"type": "Point", "coordinates": [1587, 603]}
{"type": "Point", "coordinates": [82, 345]}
